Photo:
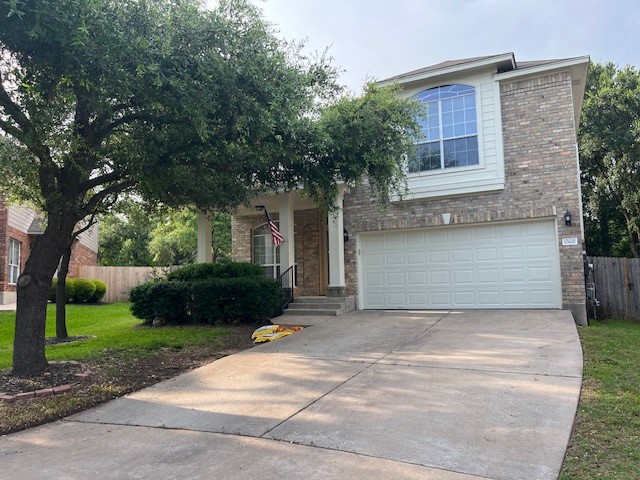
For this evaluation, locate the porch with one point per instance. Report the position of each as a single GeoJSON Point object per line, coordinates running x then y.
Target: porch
{"type": "Point", "coordinates": [311, 257]}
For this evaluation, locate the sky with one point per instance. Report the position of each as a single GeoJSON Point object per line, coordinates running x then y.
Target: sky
{"type": "Point", "coordinates": [377, 39]}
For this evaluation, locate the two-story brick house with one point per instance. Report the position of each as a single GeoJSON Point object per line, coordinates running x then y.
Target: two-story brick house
{"type": "Point", "coordinates": [486, 223]}
{"type": "Point", "coordinates": [19, 227]}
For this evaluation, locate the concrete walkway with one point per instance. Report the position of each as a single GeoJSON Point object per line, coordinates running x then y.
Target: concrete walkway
{"type": "Point", "coordinates": [369, 395]}
{"type": "Point", "coordinates": [7, 307]}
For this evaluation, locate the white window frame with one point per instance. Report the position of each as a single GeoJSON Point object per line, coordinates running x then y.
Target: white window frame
{"type": "Point", "coordinates": [441, 137]}
{"type": "Point", "coordinates": [14, 260]}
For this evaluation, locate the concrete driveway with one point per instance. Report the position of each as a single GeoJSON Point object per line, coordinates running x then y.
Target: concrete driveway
{"type": "Point", "coordinates": [369, 395]}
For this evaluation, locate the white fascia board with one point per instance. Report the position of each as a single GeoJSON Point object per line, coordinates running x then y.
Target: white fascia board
{"type": "Point", "coordinates": [462, 67]}
{"type": "Point", "coordinates": [570, 62]}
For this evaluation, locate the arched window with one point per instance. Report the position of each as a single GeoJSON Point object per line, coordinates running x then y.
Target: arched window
{"type": "Point", "coordinates": [449, 136]}
{"type": "Point", "coordinates": [264, 252]}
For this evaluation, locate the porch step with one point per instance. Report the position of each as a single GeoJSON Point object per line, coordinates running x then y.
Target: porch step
{"type": "Point", "coordinates": [321, 306]}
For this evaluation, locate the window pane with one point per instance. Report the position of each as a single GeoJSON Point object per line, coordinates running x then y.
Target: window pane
{"type": "Point", "coordinates": [461, 152]}
{"type": "Point", "coordinates": [427, 157]}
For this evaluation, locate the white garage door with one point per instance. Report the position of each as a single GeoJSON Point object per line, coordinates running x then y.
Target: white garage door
{"type": "Point", "coordinates": [510, 265]}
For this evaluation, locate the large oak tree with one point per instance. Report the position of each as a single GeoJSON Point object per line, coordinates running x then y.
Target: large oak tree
{"type": "Point", "coordinates": [179, 104]}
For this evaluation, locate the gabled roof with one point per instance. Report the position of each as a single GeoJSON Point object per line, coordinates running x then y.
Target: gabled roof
{"type": "Point", "coordinates": [502, 66]}
{"type": "Point", "coordinates": [504, 62]}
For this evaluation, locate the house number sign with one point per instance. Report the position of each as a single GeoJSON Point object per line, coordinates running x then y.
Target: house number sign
{"type": "Point", "coordinates": [569, 241]}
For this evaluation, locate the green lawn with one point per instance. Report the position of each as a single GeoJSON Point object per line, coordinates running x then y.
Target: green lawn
{"type": "Point", "coordinates": [113, 327]}
{"type": "Point", "coordinates": [605, 443]}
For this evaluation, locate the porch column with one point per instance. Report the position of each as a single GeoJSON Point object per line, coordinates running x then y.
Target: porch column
{"type": "Point", "coordinates": [205, 255]}
{"type": "Point", "coordinates": [288, 247]}
{"type": "Point", "coordinates": [337, 284]}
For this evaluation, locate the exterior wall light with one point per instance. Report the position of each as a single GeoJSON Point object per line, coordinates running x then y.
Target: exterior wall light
{"type": "Point", "coordinates": [345, 235]}
{"type": "Point", "coordinates": [567, 218]}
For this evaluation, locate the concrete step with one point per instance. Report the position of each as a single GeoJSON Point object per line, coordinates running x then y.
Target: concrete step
{"type": "Point", "coordinates": [321, 299]}
{"type": "Point", "coordinates": [316, 312]}
{"type": "Point", "coordinates": [296, 305]}
{"type": "Point", "coordinates": [320, 306]}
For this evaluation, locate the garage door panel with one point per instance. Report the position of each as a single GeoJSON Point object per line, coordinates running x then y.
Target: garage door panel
{"type": "Point", "coordinates": [374, 280]}
{"type": "Point", "coordinates": [397, 299]}
{"type": "Point", "coordinates": [488, 276]}
{"type": "Point", "coordinates": [439, 257]}
{"type": "Point", "coordinates": [540, 297]}
{"type": "Point", "coordinates": [438, 237]}
{"type": "Point", "coordinates": [416, 258]}
{"type": "Point", "coordinates": [489, 299]}
{"type": "Point", "coordinates": [394, 239]}
{"type": "Point", "coordinates": [485, 233]}
{"type": "Point", "coordinates": [461, 235]}
{"type": "Point", "coordinates": [513, 230]}
{"type": "Point", "coordinates": [441, 299]}
{"type": "Point", "coordinates": [395, 280]}
{"type": "Point", "coordinates": [512, 253]}
{"type": "Point", "coordinates": [464, 299]}
{"type": "Point", "coordinates": [486, 254]}
{"type": "Point", "coordinates": [372, 259]}
{"type": "Point", "coordinates": [417, 279]}
{"type": "Point", "coordinates": [394, 259]}
{"type": "Point", "coordinates": [539, 274]}
{"type": "Point", "coordinates": [516, 298]}
{"type": "Point", "coordinates": [538, 251]}
{"type": "Point", "coordinates": [462, 255]}
{"type": "Point", "coordinates": [416, 238]}
{"type": "Point", "coordinates": [439, 278]}
{"type": "Point", "coordinates": [463, 276]}
{"type": "Point", "coordinates": [511, 265]}
{"type": "Point", "coordinates": [510, 275]}
{"type": "Point", "coordinates": [544, 229]}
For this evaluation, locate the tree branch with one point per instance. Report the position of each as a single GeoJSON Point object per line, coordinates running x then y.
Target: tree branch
{"type": "Point", "coordinates": [101, 180]}
{"type": "Point", "coordinates": [99, 197]}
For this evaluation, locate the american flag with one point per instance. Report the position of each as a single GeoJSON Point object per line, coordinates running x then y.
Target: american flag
{"type": "Point", "coordinates": [276, 236]}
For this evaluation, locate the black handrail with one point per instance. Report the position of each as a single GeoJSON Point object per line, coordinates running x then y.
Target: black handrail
{"type": "Point", "coordinates": [287, 282]}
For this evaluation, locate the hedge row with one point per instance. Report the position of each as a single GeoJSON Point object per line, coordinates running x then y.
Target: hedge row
{"type": "Point", "coordinates": [213, 300]}
{"type": "Point", "coordinates": [80, 290]}
{"type": "Point", "coordinates": [202, 271]}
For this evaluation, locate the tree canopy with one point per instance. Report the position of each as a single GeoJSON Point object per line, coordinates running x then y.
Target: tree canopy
{"type": "Point", "coordinates": [175, 102]}
{"type": "Point", "coordinates": [609, 141]}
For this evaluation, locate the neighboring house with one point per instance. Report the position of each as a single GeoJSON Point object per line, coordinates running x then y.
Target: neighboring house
{"type": "Point", "coordinates": [484, 224]}
{"type": "Point", "coordinates": [19, 226]}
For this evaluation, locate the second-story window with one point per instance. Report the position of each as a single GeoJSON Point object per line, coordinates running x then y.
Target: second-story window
{"type": "Point", "coordinates": [449, 136]}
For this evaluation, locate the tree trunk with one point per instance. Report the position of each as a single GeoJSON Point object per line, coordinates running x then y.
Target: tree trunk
{"type": "Point", "coordinates": [61, 296]}
{"type": "Point", "coordinates": [33, 292]}
{"type": "Point", "coordinates": [633, 242]}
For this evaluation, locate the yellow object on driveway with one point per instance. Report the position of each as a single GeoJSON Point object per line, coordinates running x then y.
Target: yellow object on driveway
{"type": "Point", "coordinates": [268, 333]}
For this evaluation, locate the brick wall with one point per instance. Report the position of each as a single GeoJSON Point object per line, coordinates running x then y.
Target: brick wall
{"type": "Point", "coordinates": [541, 181]}
{"type": "Point", "coordinates": [307, 245]}
{"type": "Point", "coordinates": [81, 255]}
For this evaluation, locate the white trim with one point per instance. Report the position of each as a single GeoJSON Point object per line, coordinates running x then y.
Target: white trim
{"type": "Point", "coordinates": [545, 67]}
{"type": "Point", "coordinates": [13, 266]}
{"type": "Point", "coordinates": [461, 67]}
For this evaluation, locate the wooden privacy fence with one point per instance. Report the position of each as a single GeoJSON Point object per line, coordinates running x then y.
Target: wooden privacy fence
{"type": "Point", "coordinates": [617, 282]}
{"type": "Point", "coordinates": [120, 280]}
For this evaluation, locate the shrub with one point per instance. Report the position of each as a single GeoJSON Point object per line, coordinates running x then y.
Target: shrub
{"type": "Point", "coordinates": [101, 290]}
{"type": "Point", "coordinates": [203, 271]}
{"type": "Point", "coordinates": [235, 300]}
{"type": "Point", "coordinates": [69, 285]}
{"type": "Point", "coordinates": [214, 300]}
{"type": "Point", "coordinates": [160, 299]}
{"type": "Point", "coordinates": [84, 290]}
